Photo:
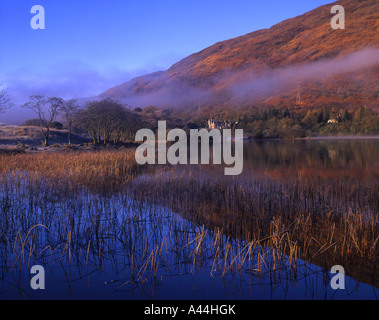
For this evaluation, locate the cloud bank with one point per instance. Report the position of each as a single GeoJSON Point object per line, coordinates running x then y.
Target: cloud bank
{"type": "Point", "coordinates": [251, 85]}
{"type": "Point", "coordinates": [76, 81]}
{"type": "Point", "coordinates": [242, 86]}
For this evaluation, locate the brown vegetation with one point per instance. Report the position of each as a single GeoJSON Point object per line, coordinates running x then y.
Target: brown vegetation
{"type": "Point", "coordinates": [274, 223]}
{"type": "Point", "coordinates": [291, 43]}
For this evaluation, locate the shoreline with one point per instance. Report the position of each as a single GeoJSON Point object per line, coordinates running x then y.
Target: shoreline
{"type": "Point", "coordinates": [345, 138]}
{"type": "Point", "coordinates": [317, 138]}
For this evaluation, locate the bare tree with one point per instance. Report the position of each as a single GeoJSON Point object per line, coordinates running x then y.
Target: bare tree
{"type": "Point", "coordinates": [70, 109]}
{"type": "Point", "coordinates": [5, 101]}
{"type": "Point", "coordinates": [107, 121]}
{"type": "Point", "coordinates": [47, 110]}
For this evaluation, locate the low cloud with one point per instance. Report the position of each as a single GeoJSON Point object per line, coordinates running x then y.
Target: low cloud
{"type": "Point", "coordinates": [252, 85]}
{"type": "Point", "coordinates": [68, 80]}
{"type": "Point", "coordinates": [242, 86]}
{"type": "Point", "coordinates": [62, 82]}
{"type": "Point", "coordinates": [73, 80]}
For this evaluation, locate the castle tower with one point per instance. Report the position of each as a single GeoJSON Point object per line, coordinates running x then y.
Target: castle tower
{"type": "Point", "coordinates": [210, 123]}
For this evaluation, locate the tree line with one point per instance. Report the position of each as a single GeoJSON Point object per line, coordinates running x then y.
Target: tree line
{"type": "Point", "coordinates": [283, 123]}
{"type": "Point", "coordinates": [105, 121]}
{"type": "Point", "coordinates": [108, 121]}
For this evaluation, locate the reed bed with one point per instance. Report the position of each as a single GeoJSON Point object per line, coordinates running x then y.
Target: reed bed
{"type": "Point", "coordinates": [97, 171]}
{"type": "Point", "coordinates": [96, 210]}
{"type": "Point", "coordinates": [326, 222]}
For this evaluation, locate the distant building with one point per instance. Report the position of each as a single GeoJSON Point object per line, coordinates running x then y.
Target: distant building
{"type": "Point", "coordinates": [335, 120]}
{"type": "Point", "coordinates": [219, 124]}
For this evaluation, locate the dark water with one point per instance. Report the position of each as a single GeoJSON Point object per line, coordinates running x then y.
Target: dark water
{"type": "Point", "coordinates": [342, 155]}
{"type": "Point", "coordinates": [324, 158]}
{"type": "Point", "coordinates": [106, 264]}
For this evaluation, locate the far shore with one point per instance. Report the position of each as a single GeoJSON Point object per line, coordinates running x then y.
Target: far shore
{"type": "Point", "coordinates": [316, 138]}
{"type": "Point", "coordinates": [343, 137]}
{"type": "Point", "coordinates": [14, 139]}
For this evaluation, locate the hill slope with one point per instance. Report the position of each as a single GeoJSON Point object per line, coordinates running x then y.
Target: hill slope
{"type": "Point", "coordinates": [263, 68]}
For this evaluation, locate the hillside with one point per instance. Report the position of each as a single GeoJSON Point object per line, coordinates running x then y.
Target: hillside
{"type": "Point", "coordinates": [264, 68]}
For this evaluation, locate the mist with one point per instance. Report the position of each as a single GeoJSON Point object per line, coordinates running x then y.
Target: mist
{"type": "Point", "coordinates": [67, 80]}
{"type": "Point", "coordinates": [249, 86]}
{"type": "Point", "coordinates": [242, 86]}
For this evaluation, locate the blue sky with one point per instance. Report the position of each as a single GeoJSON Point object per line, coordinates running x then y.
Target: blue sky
{"type": "Point", "coordinates": [89, 46]}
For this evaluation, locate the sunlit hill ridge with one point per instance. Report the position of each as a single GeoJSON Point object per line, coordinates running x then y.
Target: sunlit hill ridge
{"type": "Point", "coordinates": [269, 67]}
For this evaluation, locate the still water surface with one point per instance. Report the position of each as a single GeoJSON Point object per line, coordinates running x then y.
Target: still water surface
{"type": "Point", "coordinates": [85, 276]}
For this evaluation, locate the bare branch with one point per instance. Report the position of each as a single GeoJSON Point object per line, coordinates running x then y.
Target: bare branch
{"type": "Point", "coordinates": [47, 110]}
{"type": "Point", "coordinates": [5, 100]}
{"type": "Point", "coordinates": [69, 109]}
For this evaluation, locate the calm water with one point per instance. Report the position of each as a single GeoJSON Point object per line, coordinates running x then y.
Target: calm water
{"type": "Point", "coordinates": [83, 273]}
{"type": "Point", "coordinates": [347, 156]}
{"type": "Point", "coordinates": [323, 158]}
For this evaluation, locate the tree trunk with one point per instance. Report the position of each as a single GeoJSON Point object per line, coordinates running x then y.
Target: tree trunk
{"type": "Point", "coordinates": [46, 135]}
{"type": "Point", "coordinates": [69, 134]}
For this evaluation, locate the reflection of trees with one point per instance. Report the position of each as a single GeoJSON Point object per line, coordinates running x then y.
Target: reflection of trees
{"type": "Point", "coordinates": [307, 158]}
{"type": "Point", "coordinates": [323, 154]}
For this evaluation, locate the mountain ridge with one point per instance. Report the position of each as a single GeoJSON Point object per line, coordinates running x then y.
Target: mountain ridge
{"type": "Point", "coordinates": [211, 75]}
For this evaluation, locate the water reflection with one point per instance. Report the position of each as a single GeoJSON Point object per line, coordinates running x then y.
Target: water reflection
{"type": "Point", "coordinates": [115, 247]}
{"type": "Point", "coordinates": [319, 159]}
{"type": "Point", "coordinates": [314, 158]}
{"type": "Point", "coordinates": [320, 154]}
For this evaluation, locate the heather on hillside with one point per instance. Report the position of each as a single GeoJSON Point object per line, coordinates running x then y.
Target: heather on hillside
{"type": "Point", "coordinates": [264, 67]}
